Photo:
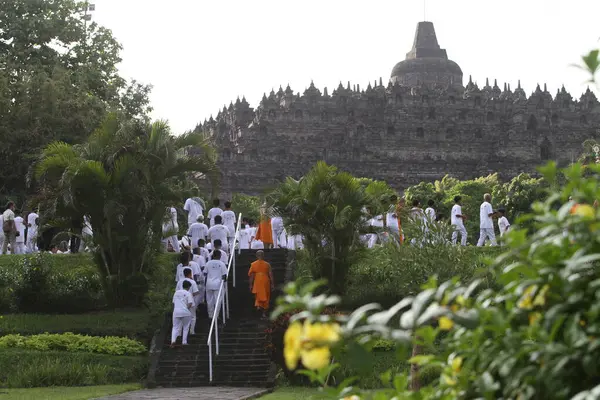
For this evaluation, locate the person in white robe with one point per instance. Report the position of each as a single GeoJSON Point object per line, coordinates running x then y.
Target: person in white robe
{"type": "Point", "coordinates": [457, 219]}
{"type": "Point", "coordinates": [213, 212]}
{"type": "Point", "coordinates": [294, 242]}
{"type": "Point", "coordinates": [244, 239]}
{"type": "Point", "coordinates": [1, 232]}
{"type": "Point", "coordinates": [204, 252]}
{"type": "Point", "coordinates": [218, 247]}
{"type": "Point", "coordinates": [228, 218]}
{"type": "Point", "coordinates": [187, 273]}
{"type": "Point", "coordinates": [277, 228]}
{"type": "Point", "coordinates": [170, 229]}
{"type": "Point", "coordinates": [486, 222]}
{"type": "Point", "coordinates": [20, 240]}
{"type": "Point", "coordinates": [185, 260]}
{"type": "Point", "coordinates": [32, 232]}
{"type": "Point", "coordinates": [194, 206]}
{"type": "Point", "coordinates": [216, 274]}
{"type": "Point", "coordinates": [198, 230]}
{"type": "Point", "coordinates": [183, 301]}
{"type": "Point", "coordinates": [87, 235]}
{"type": "Point", "coordinates": [219, 232]}
{"type": "Point", "coordinates": [417, 217]}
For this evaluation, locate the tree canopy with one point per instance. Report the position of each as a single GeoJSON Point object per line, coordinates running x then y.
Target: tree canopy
{"type": "Point", "coordinates": [58, 80]}
{"type": "Point", "coordinates": [122, 179]}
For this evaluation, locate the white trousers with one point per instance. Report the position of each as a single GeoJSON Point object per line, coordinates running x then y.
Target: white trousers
{"type": "Point", "coordinates": [179, 324]}
{"type": "Point", "coordinates": [486, 233]}
{"type": "Point", "coordinates": [193, 321]}
{"type": "Point", "coordinates": [32, 242]}
{"type": "Point", "coordinates": [19, 248]}
{"type": "Point", "coordinates": [463, 234]}
{"type": "Point", "coordinates": [211, 301]}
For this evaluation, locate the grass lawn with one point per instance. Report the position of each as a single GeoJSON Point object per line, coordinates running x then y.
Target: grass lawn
{"type": "Point", "coordinates": [291, 393]}
{"type": "Point", "coordinates": [66, 393]}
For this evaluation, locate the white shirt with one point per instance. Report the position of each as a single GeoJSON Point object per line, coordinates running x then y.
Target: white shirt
{"type": "Point", "coordinates": [181, 300]}
{"type": "Point", "coordinates": [31, 221]}
{"type": "Point", "coordinates": [193, 209]}
{"type": "Point", "coordinates": [197, 231]}
{"type": "Point", "coordinates": [212, 213]}
{"type": "Point", "coordinates": [277, 224]}
{"type": "Point", "coordinates": [204, 253]}
{"type": "Point", "coordinates": [454, 219]}
{"type": "Point", "coordinates": [200, 260]}
{"type": "Point", "coordinates": [503, 225]}
{"type": "Point", "coordinates": [377, 221]}
{"type": "Point", "coordinates": [193, 289]}
{"type": "Point", "coordinates": [229, 221]}
{"type": "Point", "coordinates": [171, 224]}
{"type": "Point", "coordinates": [392, 222]}
{"type": "Point", "coordinates": [215, 270]}
{"type": "Point", "coordinates": [430, 213]}
{"type": "Point", "coordinates": [224, 258]}
{"type": "Point", "coordinates": [87, 227]}
{"type": "Point", "coordinates": [485, 221]}
{"type": "Point", "coordinates": [179, 274]}
{"type": "Point", "coordinates": [218, 232]}
{"type": "Point", "coordinates": [244, 238]}
{"type": "Point", "coordinates": [20, 226]}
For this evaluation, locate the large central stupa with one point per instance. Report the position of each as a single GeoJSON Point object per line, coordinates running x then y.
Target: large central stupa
{"type": "Point", "coordinates": [427, 63]}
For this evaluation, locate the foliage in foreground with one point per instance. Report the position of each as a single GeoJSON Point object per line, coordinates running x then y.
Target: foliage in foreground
{"type": "Point", "coordinates": [536, 337]}
{"type": "Point", "coordinates": [28, 368]}
{"type": "Point", "coordinates": [123, 179]}
{"type": "Point", "coordinates": [74, 343]}
{"type": "Point", "coordinates": [329, 208]}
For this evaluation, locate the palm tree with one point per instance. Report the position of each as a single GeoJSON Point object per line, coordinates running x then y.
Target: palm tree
{"type": "Point", "coordinates": [123, 178]}
{"type": "Point", "coordinates": [327, 208]}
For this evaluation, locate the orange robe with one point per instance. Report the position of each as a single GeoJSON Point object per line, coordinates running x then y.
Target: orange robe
{"type": "Point", "coordinates": [262, 283]}
{"type": "Point", "coordinates": [398, 209]}
{"type": "Point", "coordinates": [265, 231]}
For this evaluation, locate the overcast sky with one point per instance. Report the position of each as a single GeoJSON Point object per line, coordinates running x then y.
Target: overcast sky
{"type": "Point", "coordinates": [202, 54]}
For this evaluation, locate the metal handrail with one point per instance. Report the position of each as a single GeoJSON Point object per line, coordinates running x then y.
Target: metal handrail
{"type": "Point", "coordinates": [222, 299]}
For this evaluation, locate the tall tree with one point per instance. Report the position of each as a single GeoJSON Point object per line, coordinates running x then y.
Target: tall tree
{"type": "Point", "coordinates": [329, 209]}
{"type": "Point", "coordinates": [58, 79]}
{"type": "Point", "coordinates": [123, 179]}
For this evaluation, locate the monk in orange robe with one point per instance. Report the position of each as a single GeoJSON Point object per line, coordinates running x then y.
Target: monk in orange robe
{"type": "Point", "coordinates": [261, 282]}
{"type": "Point", "coordinates": [398, 210]}
{"type": "Point", "coordinates": [264, 232]}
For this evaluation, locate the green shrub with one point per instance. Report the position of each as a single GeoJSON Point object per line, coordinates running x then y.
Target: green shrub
{"type": "Point", "coordinates": [70, 284]}
{"type": "Point", "coordinates": [387, 274]}
{"type": "Point", "coordinates": [28, 368]}
{"type": "Point", "coordinates": [74, 343]}
{"type": "Point", "coordinates": [49, 284]}
{"type": "Point", "coordinates": [135, 324]}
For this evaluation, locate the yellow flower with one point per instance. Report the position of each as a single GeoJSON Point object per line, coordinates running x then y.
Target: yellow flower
{"type": "Point", "coordinates": [448, 381]}
{"type": "Point", "coordinates": [581, 322]}
{"type": "Point", "coordinates": [292, 343]}
{"type": "Point", "coordinates": [534, 317]}
{"type": "Point", "coordinates": [454, 307]}
{"type": "Point", "coordinates": [460, 300]}
{"type": "Point", "coordinates": [445, 323]}
{"type": "Point", "coordinates": [526, 301]}
{"type": "Point", "coordinates": [457, 364]}
{"type": "Point", "coordinates": [540, 299]}
{"type": "Point", "coordinates": [584, 210]}
{"type": "Point", "coordinates": [321, 334]}
{"type": "Point", "coordinates": [316, 358]}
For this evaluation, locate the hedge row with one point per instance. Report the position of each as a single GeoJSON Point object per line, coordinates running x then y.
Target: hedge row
{"type": "Point", "coordinates": [134, 324]}
{"type": "Point", "coordinates": [65, 284]}
{"type": "Point", "coordinates": [74, 343]}
{"type": "Point", "coordinates": [28, 368]}
{"type": "Point", "coordinates": [387, 274]}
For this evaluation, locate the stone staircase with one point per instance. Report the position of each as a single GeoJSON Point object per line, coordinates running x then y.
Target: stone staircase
{"type": "Point", "coordinates": [243, 359]}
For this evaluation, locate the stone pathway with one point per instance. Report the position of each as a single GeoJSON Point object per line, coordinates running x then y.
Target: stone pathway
{"type": "Point", "coordinates": [197, 393]}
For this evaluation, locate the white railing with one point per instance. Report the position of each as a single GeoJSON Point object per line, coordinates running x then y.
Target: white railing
{"type": "Point", "coordinates": [222, 303]}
